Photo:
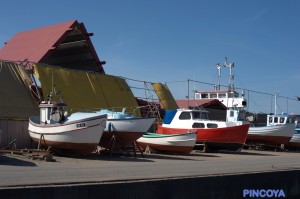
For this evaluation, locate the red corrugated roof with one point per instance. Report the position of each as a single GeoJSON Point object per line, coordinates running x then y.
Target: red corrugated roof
{"type": "Point", "coordinates": [206, 103]}
{"type": "Point", "coordinates": [34, 44]}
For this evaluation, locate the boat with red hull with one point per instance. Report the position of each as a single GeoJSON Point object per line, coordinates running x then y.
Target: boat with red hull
{"type": "Point", "coordinates": [215, 135]}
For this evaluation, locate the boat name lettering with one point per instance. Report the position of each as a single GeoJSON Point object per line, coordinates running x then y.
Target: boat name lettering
{"type": "Point", "coordinates": [80, 125]}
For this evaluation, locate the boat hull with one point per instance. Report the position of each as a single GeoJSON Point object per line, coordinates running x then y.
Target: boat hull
{"type": "Point", "coordinates": [125, 131]}
{"type": "Point", "coordinates": [271, 135]}
{"type": "Point", "coordinates": [80, 135]}
{"type": "Point", "coordinates": [179, 143]}
{"type": "Point", "coordinates": [295, 140]}
{"type": "Point", "coordinates": [229, 138]}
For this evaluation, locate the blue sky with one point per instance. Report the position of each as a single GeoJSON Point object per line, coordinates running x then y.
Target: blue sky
{"type": "Point", "coordinates": [177, 40]}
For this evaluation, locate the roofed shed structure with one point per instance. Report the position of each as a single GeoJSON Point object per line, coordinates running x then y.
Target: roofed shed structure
{"type": "Point", "coordinates": [65, 44]}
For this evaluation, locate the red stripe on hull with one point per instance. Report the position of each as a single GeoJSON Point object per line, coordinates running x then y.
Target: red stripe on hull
{"type": "Point", "coordinates": [234, 134]}
{"type": "Point", "coordinates": [122, 139]}
{"type": "Point", "coordinates": [272, 140]}
{"type": "Point", "coordinates": [76, 147]}
{"type": "Point", "coordinates": [168, 149]}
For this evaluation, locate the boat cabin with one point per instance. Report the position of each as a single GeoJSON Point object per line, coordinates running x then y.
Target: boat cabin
{"type": "Point", "coordinates": [185, 115]}
{"type": "Point", "coordinates": [52, 112]}
{"type": "Point", "coordinates": [186, 118]}
{"type": "Point", "coordinates": [280, 119]}
{"type": "Point", "coordinates": [229, 98]}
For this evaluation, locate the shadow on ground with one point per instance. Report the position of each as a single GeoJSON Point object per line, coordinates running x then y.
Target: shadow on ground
{"type": "Point", "coordinates": [11, 161]}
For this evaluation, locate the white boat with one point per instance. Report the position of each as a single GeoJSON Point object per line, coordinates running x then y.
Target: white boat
{"type": "Point", "coordinates": [279, 130]}
{"type": "Point", "coordinates": [295, 140]}
{"type": "Point", "coordinates": [80, 132]}
{"type": "Point", "coordinates": [124, 128]}
{"type": "Point", "coordinates": [176, 143]}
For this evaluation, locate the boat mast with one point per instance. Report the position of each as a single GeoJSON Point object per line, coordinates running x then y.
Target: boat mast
{"type": "Point", "coordinates": [275, 103]}
{"type": "Point", "coordinates": [218, 86]}
{"type": "Point", "coordinates": [231, 76]}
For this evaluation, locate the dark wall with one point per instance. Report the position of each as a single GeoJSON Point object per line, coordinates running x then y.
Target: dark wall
{"type": "Point", "coordinates": [230, 186]}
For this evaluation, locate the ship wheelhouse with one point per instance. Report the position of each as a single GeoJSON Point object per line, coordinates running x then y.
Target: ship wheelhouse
{"type": "Point", "coordinates": [197, 119]}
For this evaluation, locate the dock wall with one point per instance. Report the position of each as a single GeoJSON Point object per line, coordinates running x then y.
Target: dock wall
{"type": "Point", "coordinates": [225, 186]}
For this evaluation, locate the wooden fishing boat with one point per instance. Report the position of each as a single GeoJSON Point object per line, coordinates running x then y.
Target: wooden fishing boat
{"type": "Point", "coordinates": [79, 132]}
{"type": "Point", "coordinates": [176, 143]}
{"type": "Point", "coordinates": [217, 135]}
{"type": "Point", "coordinates": [123, 129]}
{"type": "Point", "coordinates": [279, 130]}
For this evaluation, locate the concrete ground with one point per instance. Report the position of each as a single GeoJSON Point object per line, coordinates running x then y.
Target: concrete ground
{"type": "Point", "coordinates": [18, 171]}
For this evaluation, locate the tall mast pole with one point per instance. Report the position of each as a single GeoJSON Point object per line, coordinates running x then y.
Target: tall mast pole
{"type": "Point", "coordinates": [231, 76]}
{"type": "Point", "coordinates": [218, 86]}
{"type": "Point", "coordinates": [275, 103]}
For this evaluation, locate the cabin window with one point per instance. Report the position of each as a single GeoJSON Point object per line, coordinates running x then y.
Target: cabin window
{"type": "Point", "coordinates": [222, 95]}
{"type": "Point", "coordinates": [212, 125]}
{"type": "Point", "coordinates": [196, 115]}
{"type": "Point", "coordinates": [213, 95]}
{"type": "Point", "coordinates": [204, 116]}
{"type": "Point", "coordinates": [185, 116]}
{"type": "Point", "coordinates": [230, 95]}
{"type": "Point", "coordinates": [205, 95]}
{"type": "Point", "coordinates": [270, 119]}
{"type": "Point", "coordinates": [231, 113]}
{"type": "Point", "coordinates": [198, 125]}
{"type": "Point", "coordinates": [276, 120]}
{"type": "Point", "coordinates": [199, 115]}
{"type": "Point", "coordinates": [197, 96]}
{"type": "Point", "coordinates": [282, 120]}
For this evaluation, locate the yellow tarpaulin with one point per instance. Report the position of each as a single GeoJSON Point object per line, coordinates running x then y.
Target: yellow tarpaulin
{"type": "Point", "coordinates": [165, 96]}
{"type": "Point", "coordinates": [16, 101]}
{"type": "Point", "coordinates": [84, 90]}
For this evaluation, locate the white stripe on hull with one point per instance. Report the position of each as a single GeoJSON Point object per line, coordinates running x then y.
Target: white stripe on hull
{"type": "Point", "coordinates": [279, 130]}
{"type": "Point", "coordinates": [296, 138]}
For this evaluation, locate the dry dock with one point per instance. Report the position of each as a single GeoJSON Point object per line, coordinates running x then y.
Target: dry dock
{"type": "Point", "coordinates": [199, 175]}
